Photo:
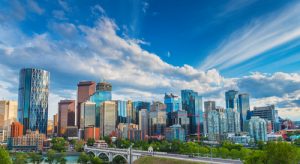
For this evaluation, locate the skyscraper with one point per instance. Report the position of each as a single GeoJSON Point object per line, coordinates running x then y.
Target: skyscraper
{"type": "Point", "coordinates": [231, 98]}
{"type": "Point", "coordinates": [233, 121]}
{"type": "Point", "coordinates": [136, 107]}
{"type": "Point", "coordinates": [243, 109]}
{"type": "Point", "coordinates": [209, 105]}
{"type": "Point", "coordinates": [8, 115]}
{"type": "Point", "coordinates": [122, 111]}
{"type": "Point", "coordinates": [258, 128]}
{"type": "Point", "coordinates": [108, 117]}
{"type": "Point", "coordinates": [173, 104]}
{"type": "Point", "coordinates": [66, 115]}
{"type": "Point", "coordinates": [268, 113]}
{"type": "Point", "coordinates": [192, 103]}
{"type": "Point", "coordinates": [84, 90]}
{"type": "Point", "coordinates": [157, 122]}
{"type": "Point", "coordinates": [55, 124]}
{"type": "Point", "coordinates": [180, 117]}
{"type": "Point", "coordinates": [87, 114]}
{"type": "Point", "coordinates": [143, 122]}
{"type": "Point", "coordinates": [33, 99]}
{"type": "Point", "coordinates": [103, 93]}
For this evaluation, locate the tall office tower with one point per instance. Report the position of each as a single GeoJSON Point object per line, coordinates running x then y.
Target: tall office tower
{"type": "Point", "coordinates": [129, 112]}
{"type": "Point", "coordinates": [213, 125]}
{"type": "Point", "coordinates": [173, 104]}
{"type": "Point", "coordinates": [55, 124]}
{"type": "Point", "coordinates": [122, 111]}
{"type": "Point", "coordinates": [243, 109]}
{"type": "Point", "coordinates": [269, 113]}
{"type": "Point", "coordinates": [8, 115]}
{"type": "Point", "coordinates": [233, 121]}
{"type": "Point", "coordinates": [33, 99]}
{"type": "Point", "coordinates": [136, 107]}
{"type": "Point", "coordinates": [157, 106]}
{"type": "Point", "coordinates": [209, 105]}
{"type": "Point", "coordinates": [231, 98]}
{"type": "Point", "coordinates": [16, 129]}
{"type": "Point", "coordinates": [66, 116]}
{"type": "Point", "coordinates": [84, 90]}
{"type": "Point", "coordinates": [50, 128]}
{"type": "Point", "coordinates": [180, 117]}
{"type": "Point", "coordinates": [108, 117]}
{"type": "Point", "coordinates": [157, 122]}
{"type": "Point", "coordinates": [143, 122]}
{"type": "Point", "coordinates": [258, 129]}
{"type": "Point", "coordinates": [87, 114]}
{"type": "Point", "coordinates": [192, 103]}
{"type": "Point", "coordinates": [103, 93]}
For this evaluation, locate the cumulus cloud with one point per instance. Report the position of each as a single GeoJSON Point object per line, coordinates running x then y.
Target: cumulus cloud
{"type": "Point", "coordinates": [34, 6]}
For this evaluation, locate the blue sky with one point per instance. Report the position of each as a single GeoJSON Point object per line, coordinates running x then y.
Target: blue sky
{"type": "Point", "coordinates": [146, 48]}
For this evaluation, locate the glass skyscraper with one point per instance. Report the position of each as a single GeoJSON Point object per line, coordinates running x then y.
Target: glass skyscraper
{"type": "Point", "coordinates": [243, 109]}
{"type": "Point", "coordinates": [33, 99]}
{"type": "Point", "coordinates": [122, 111]}
{"type": "Point", "coordinates": [103, 93]}
{"type": "Point", "coordinates": [136, 107]}
{"type": "Point", "coordinates": [231, 98]}
{"type": "Point", "coordinates": [192, 103]}
{"type": "Point", "coordinates": [173, 104]}
{"type": "Point", "coordinates": [258, 129]}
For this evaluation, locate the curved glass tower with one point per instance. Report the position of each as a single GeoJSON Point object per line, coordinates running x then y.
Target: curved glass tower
{"type": "Point", "coordinates": [33, 99]}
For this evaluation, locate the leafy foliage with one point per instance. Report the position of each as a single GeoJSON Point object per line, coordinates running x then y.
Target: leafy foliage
{"type": "Point", "coordinates": [59, 144]}
{"type": "Point", "coordinates": [90, 141]}
{"type": "Point", "coordinates": [4, 156]}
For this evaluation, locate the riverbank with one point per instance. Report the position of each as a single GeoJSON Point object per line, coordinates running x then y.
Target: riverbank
{"type": "Point", "coordinates": [159, 160]}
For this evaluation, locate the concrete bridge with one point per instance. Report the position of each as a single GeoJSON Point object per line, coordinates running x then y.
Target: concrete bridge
{"type": "Point", "coordinates": [130, 155]}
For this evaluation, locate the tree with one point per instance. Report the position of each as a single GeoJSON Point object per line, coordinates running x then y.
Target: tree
{"type": "Point", "coordinates": [224, 152]}
{"type": "Point", "coordinates": [256, 157]}
{"type": "Point", "coordinates": [35, 158]}
{"type": "Point", "coordinates": [79, 146]}
{"type": "Point", "coordinates": [4, 156]}
{"type": "Point", "coordinates": [51, 154]}
{"type": "Point", "coordinates": [107, 139]}
{"type": "Point", "coordinates": [260, 145]}
{"type": "Point", "coordinates": [244, 152]}
{"type": "Point", "coordinates": [58, 144]}
{"type": "Point", "coordinates": [96, 160]}
{"type": "Point", "coordinates": [90, 141]}
{"type": "Point", "coordinates": [235, 154]}
{"type": "Point", "coordinates": [297, 142]}
{"type": "Point", "coordinates": [83, 158]}
{"type": "Point", "coordinates": [281, 152]}
{"type": "Point", "coordinates": [60, 158]}
{"type": "Point", "coordinates": [20, 158]}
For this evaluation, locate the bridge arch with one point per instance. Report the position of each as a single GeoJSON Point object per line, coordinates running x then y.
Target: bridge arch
{"type": "Point", "coordinates": [103, 155]}
{"type": "Point", "coordinates": [91, 152]}
{"type": "Point", "coordinates": [120, 155]}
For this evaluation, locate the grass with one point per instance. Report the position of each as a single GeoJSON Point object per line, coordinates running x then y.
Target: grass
{"type": "Point", "coordinates": [159, 160]}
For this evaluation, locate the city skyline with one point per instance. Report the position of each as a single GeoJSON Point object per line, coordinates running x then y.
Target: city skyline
{"type": "Point", "coordinates": [103, 46]}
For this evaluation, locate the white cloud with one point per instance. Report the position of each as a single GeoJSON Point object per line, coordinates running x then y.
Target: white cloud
{"type": "Point", "coordinates": [33, 5]}
{"type": "Point", "coordinates": [259, 36]}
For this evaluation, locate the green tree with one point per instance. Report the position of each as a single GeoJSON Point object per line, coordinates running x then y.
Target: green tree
{"type": "Point", "coordinates": [61, 158]}
{"type": "Point", "coordinates": [281, 152]}
{"type": "Point", "coordinates": [20, 158]}
{"type": "Point", "coordinates": [51, 155]}
{"type": "Point", "coordinates": [4, 156]}
{"type": "Point", "coordinates": [79, 145]}
{"type": "Point", "coordinates": [35, 158]}
{"type": "Point", "coordinates": [96, 160]}
{"type": "Point", "coordinates": [244, 152]}
{"type": "Point", "coordinates": [260, 145]}
{"type": "Point", "coordinates": [83, 158]}
{"type": "Point", "coordinates": [58, 144]}
{"type": "Point", "coordinates": [235, 154]}
{"type": "Point", "coordinates": [224, 152]}
{"type": "Point", "coordinates": [90, 141]}
{"type": "Point", "coordinates": [297, 142]}
{"type": "Point", "coordinates": [256, 157]}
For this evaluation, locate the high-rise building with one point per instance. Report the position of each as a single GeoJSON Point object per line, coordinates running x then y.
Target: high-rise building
{"type": "Point", "coordinates": [84, 90]}
{"type": "Point", "coordinates": [103, 93]}
{"type": "Point", "coordinates": [91, 132]}
{"type": "Point", "coordinates": [231, 98]}
{"type": "Point", "coordinates": [136, 107]}
{"type": "Point", "coordinates": [173, 104]}
{"type": "Point", "coordinates": [157, 122]}
{"type": "Point", "coordinates": [243, 109]}
{"type": "Point", "coordinates": [8, 115]}
{"type": "Point", "coordinates": [143, 122]}
{"type": "Point", "coordinates": [192, 103]}
{"type": "Point", "coordinates": [55, 124]}
{"type": "Point", "coordinates": [66, 115]}
{"type": "Point", "coordinates": [129, 112]}
{"type": "Point", "coordinates": [209, 105]}
{"type": "Point", "coordinates": [16, 129]}
{"type": "Point", "coordinates": [233, 121]}
{"type": "Point", "coordinates": [33, 99]}
{"type": "Point", "coordinates": [108, 117]}
{"type": "Point", "coordinates": [258, 128]}
{"type": "Point", "coordinates": [50, 128]}
{"type": "Point", "coordinates": [88, 114]}
{"type": "Point", "coordinates": [268, 113]}
{"type": "Point", "coordinates": [175, 132]}
{"type": "Point", "coordinates": [122, 111]}
{"type": "Point", "coordinates": [157, 105]}
{"type": "Point", "coordinates": [180, 117]}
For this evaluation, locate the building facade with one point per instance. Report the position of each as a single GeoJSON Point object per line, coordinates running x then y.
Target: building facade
{"type": "Point", "coordinates": [66, 115]}
{"type": "Point", "coordinates": [268, 113]}
{"type": "Point", "coordinates": [143, 122]}
{"type": "Point", "coordinates": [8, 115]}
{"type": "Point", "coordinates": [231, 99]}
{"type": "Point", "coordinates": [84, 90]}
{"type": "Point", "coordinates": [243, 109]}
{"type": "Point", "coordinates": [258, 128]}
{"type": "Point", "coordinates": [157, 122]}
{"type": "Point", "coordinates": [16, 129]}
{"type": "Point", "coordinates": [33, 99]}
{"type": "Point", "coordinates": [88, 114]}
{"type": "Point", "coordinates": [175, 132]}
{"type": "Point", "coordinates": [108, 117]}
{"type": "Point", "coordinates": [180, 117]}
{"type": "Point", "coordinates": [173, 104]}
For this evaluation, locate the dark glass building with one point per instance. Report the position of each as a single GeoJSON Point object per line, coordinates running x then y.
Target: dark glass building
{"type": "Point", "coordinates": [33, 99]}
{"type": "Point", "coordinates": [173, 104]}
{"type": "Point", "coordinates": [192, 103]}
{"type": "Point", "coordinates": [231, 98]}
{"type": "Point", "coordinates": [138, 106]}
{"type": "Point", "coordinates": [243, 108]}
